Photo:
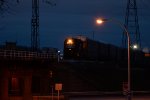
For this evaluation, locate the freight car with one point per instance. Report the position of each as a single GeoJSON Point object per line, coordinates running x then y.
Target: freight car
{"type": "Point", "coordinates": [83, 48]}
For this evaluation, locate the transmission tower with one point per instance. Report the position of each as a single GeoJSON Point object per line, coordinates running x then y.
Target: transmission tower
{"type": "Point", "coordinates": [132, 25]}
{"type": "Point", "coordinates": [35, 26]}
{"type": "Point", "coordinates": [35, 40]}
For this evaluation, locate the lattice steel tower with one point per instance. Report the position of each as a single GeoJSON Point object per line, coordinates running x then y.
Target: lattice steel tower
{"type": "Point", "coordinates": [132, 25]}
{"type": "Point", "coordinates": [35, 41]}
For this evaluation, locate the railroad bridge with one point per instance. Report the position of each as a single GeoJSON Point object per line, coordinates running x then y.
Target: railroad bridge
{"type": "Point", "coordinates": [19, 66]}
{"type": "Point", "coordinates": [28, 75]}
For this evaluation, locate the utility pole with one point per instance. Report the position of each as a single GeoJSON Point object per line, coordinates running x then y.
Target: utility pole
{"type": "Point", "coordinates": [132, 25]}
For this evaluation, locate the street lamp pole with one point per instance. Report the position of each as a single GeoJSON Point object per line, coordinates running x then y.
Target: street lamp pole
{"type": "Point", "coordinates": [100, 21]}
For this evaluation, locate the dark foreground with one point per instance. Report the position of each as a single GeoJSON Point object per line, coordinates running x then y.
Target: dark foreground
{"type": "Point", "coordinates": [35, 80]}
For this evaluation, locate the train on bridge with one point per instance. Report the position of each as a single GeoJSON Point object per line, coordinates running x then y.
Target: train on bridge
{"type": "Point", "coordinates": [83, 48]}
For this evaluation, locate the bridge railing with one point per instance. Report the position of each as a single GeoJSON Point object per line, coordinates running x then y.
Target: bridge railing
{"type": "Point", "coordinates": [27, 55]}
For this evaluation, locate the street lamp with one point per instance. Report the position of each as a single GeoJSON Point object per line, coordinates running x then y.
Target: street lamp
{"type": "Point", "coordinates": [100, 21]}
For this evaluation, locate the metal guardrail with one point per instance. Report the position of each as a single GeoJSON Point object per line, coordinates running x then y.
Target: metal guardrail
{"type": "Point", "coordinates": [27, 55]}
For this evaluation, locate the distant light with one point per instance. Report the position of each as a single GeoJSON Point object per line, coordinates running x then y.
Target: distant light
{"type": "Point", "coordinates": [135, 46]}
{"type": "Point", "coordinates": [147, 55]}
{"type": "Point", "coordinates": [70, 41]}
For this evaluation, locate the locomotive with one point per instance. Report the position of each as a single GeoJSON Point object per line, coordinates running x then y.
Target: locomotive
{"type": "Point", "coordinates": [83, 48]}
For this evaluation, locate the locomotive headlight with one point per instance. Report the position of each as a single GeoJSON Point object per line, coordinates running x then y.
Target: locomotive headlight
{"type": "Point", "coordinates": [69, 41]}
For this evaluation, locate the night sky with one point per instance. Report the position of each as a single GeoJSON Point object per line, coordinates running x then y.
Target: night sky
{"type": "Point", "coordinates": [71, 18]}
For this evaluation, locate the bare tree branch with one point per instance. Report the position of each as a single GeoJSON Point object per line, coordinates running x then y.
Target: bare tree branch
{"type": "Point", "coordinates": [5, 5]}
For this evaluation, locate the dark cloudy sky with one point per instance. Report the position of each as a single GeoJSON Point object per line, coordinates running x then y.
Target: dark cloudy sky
{"type": "Point", "coordinates": [71, 18]}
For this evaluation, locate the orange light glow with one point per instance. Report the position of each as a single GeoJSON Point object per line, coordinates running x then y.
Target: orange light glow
{"type": "Point", "coordinates": [147, 55]}
{"type": "Point", "coordinates": [99, 21]}
{"type": "Point", "coordinates": [70, 41]}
